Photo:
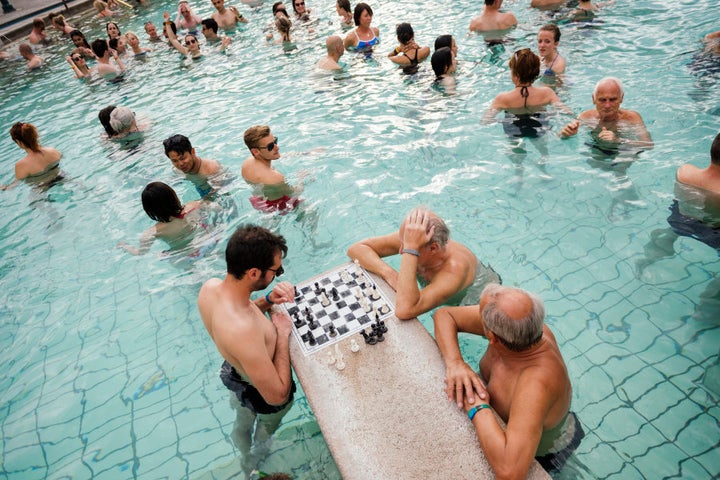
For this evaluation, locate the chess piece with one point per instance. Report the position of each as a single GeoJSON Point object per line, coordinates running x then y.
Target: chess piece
{"type": "Point", "coordinates": [298, 322]}
{"type": "Point", "coordinates": [330, 357]}
{"type": "Point", "coordinates": [332, 332]}
{"type": "Point", "coordinates": [311, 339]}
{"type": "Point", "coordinates": [384, 309]}
{"type": "Point", "coordinates": [344, 276]}
{"type": "Point", "coordinates": [335, 295]}
{"type": "Point", "coordinates": [369, 338]}
{"type": "Point", "coordinates": [354, 347]}
{"type": "Point", "coordinates": [381, 326]}
{"type": "Point", "coordinates": [297, 294]}
{"type": "Point", "coordinates": [340, 363]}
{"type": "Point", "coordinates": [374, 294]}
{"type": "Point", "coordinates": [317, 288]}
{"type": "Point", "coordinates": [324, 301]}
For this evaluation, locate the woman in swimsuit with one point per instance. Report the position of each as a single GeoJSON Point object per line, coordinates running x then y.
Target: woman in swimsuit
{"type": "Point", "coordinates": [443, 64]}
{"type": "Point", "coordinates": [175, 221]}
{"type": "Point", "coordinates": [40, 164]}
{"type": "Point", "coordinates": [113, 31]}
{"type": "Point", "coordinates": [408, 54]}
{"type": "Point", "coordinates": [363, 37]}
{"type": "Point", "coordinates": [524, 102]}
{"type": "Point", "coordinates": [192, 46]}
{"type": "Point", "coordinates": [83, 47]}
{"type": "Point", "coordinates": [134, 42]}
{"type": "Point", "coordinates": [551, 63]}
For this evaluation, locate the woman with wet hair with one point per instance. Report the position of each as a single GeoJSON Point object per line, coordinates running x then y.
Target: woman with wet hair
{"type": "Point", "coordinates": [443, 64]}
{"type": "Point", "coordinates": [40, 164]}
{"type": "Point", "coordinates": [113, 31]}
{"type": "Point", "coordinates": [408, 54]}
{"type": "Point", "coordinates": [363, 37]}
{"type": "Point", "coordinates": [551, 63]}
{"type": "Point", "coordinates": [524, 104]}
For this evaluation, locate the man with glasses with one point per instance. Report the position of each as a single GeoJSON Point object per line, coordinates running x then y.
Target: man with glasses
{"type": "Point", "coordinates": [271, 191]}
{"type": "Point", "coordinates": [198, 170]}
{"type": "Point", "coordinates": [446, 269]}
{"type": "Point", "coordinates": [226, 17]}
{"type": "Point", "coordinates": [256, 352]}
{"type": "Point", "coordinates": [522, 377]}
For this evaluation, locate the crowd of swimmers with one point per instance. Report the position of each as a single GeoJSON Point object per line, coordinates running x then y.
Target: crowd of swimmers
{"type": "Point", "coordinates": [532, 395]}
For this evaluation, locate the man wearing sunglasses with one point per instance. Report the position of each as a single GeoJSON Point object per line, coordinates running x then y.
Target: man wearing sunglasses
{"type": "Point", "coordinates": [256, 352]}
{"type": "Point", "coordinates": [271, 193]}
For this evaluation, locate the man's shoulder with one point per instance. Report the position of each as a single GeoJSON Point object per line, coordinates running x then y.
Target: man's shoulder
{"type": "Point", "coordinates": [631, 116]}
{"type": "Point", "coordinates": [589, 114]}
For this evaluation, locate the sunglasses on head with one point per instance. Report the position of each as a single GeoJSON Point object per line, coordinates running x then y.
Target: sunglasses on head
{"type": "Point", "coordinates": [270, 146]}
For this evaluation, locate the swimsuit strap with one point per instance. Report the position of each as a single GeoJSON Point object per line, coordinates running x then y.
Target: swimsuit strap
{"type": "Point", "coordinates": [525, 94]}
{"type": "Point", "coordinates": [553, 62]}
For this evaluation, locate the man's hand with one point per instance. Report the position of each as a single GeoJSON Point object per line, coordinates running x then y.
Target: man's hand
{"type": "Point", "coordinates": [570, 129]}
{"type": "Point", "coordinates": [416, 232]}
{"type": "Point", "coordinates": [284, 292]}
{"type": "Point", "coordinates": [462, 384]}
{"type": "Point", "coordinates": [282, 322]}
{"type": "Point", "coordinates": [608, 136]}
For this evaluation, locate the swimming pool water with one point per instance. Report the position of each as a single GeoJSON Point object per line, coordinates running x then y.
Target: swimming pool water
{"type": "Point", "coordinates": [109, 372]}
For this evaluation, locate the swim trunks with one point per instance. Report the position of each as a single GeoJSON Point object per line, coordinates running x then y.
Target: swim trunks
{"type": "Point", "coordinates": [247, 395]}
{"type": "Point", "coordinates": [691, 227]}
{"type": "Point", "coordinates": [281, 205]}
{"type": "Point", "coordinates": [567, 436]}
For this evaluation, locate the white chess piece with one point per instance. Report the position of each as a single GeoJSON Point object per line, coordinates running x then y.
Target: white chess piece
{"type": "Point", "coordinates": [324, 300]}
{"type": "Point", "coordinates": [340, 363]}
{"type": "Point", "coordinates": [330, 358]}
{"type": "Point", "coordinates": [354, 347]}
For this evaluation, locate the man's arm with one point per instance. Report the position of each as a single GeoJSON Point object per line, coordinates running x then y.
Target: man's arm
{"type": "Point", "coordinates": [283, 292]}
{"type": "Point", "coordinates": [510, 452]}
{"type": "Point", "coordinates": [461, 381]}
{"type": "Point", "coordinates": [270, 376]}
{"type": "Point", "coordinates": [411, 301]}
{"type": "Point", "coordinates": [369, 254]}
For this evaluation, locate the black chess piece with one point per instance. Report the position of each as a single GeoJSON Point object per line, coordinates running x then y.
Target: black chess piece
{"type": "Point", "coordinates": [298, 321]}
{"type": "Point", "coordinates": [335, 294]}
{"type": "Point", "coordinates": [297, 294]}
{"type": "Point", "coordinates": [381, 326]}
{"type": "Point", "coordinates": [379, 335]}
{"type": "Point", "coordinates": [313, 324]}
{"type": "Point", "coordinates": [369, 339]}
{"type": "Point", "coordinates": [307, 312]}
{"type": "Point", "coordinates": [332, 332]}
{"type": "Point", "coordinates": [317, 288]}
{"type": "Point", "coordinates": [311, 339]}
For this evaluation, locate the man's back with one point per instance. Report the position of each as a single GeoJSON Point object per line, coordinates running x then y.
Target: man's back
{"type": "Point", "coordinates": [492, 20]}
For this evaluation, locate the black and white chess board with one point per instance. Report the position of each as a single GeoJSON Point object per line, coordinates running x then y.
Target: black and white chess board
{"type": "Point", "coordinates": [335, 305]}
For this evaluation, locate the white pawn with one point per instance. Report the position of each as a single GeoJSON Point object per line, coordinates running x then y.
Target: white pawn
{"type": "Point", "coordinates": [354, 347]}
{"type": "Point", "coordinates": [340, 363]}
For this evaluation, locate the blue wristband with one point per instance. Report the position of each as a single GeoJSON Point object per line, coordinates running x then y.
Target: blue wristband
{"type": "Point", "coordinates": [411, 251]}
{"type": "Point", "coordinates": [475, 409]}
{"type": "Point", "coordinates": [267, 299]}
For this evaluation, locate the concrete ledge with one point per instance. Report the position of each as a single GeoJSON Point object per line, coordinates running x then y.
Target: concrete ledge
{"type": "Point", "coordinates": [17, 25]}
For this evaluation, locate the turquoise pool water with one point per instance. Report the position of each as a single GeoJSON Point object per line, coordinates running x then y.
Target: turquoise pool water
{"type": "Point", "coordinates": [109, 372]}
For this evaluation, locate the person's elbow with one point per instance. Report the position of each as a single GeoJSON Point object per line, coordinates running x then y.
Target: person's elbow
{"type": "Point", "coordinates": [406, 311]}
{"type": "Point", "coordinates": [355, 250]}
{"type": "Point", "coordinates": [278, 398]}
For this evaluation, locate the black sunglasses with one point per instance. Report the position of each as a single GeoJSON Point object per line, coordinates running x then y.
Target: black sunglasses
{"type": "Point", "coordinates": [280, 270]}
{"type": "Point", "coordinates": [270, 146]}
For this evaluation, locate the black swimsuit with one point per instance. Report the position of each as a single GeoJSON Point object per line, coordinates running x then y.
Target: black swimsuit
{"type": "Point", "coordinates": [413, 67]}
{"type": "Point", "coordinates": [247, 394]}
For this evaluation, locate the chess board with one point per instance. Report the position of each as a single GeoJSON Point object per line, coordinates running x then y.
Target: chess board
{"type": "Point", "coordinates": [347, 315]}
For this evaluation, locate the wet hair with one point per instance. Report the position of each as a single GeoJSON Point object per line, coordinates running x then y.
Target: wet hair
{"type": "Point", "coordinates": [160, 202]}
{"type": "Point", "coordinates": [551, 27]}
{"type": "Point", "coordinates": [78, 33]}
{"type": "Point", "coordinates": [177, 144]}
{"type": "Point", "coordinates": [26, 134]}
{"type": "Point", "coordinates": [283, 24]}
{"type": "Point", "coordinates": [252, 247]}
{"type": "Point", "coordinates": [441, 235]}
{"type": "Point", "coordinates": [612, 79]}
{"type": "Point", "coordinates": [443, 41]}
{"type": "Point", "coordinates": [489, 2]}
{"type": "Point", "coordinates": [294, 7]}
{"type": "Point", "coordinates": [404, 32]}
{"type": "Point", "coordinates": [99, 47]}
{"type": "Point", "coordinates": [210, 24]}
{"type": "Point", "coordinates": [345, 5]}
{"type": "Point", "coordinates": [525, 65]}
{"type": "Point", "coordinates": [113, 43]}
{"type": "Point", "coordinates": [515, 334]}
{"type": "Point", "coordinates": [57, 18]}
{"type": "Point", "coordinates": [254, 134]}
{"type": "Point", "coordinates": [359, 9]}
{"type": "Point", "coordinates": [149, 23]}
{"type": "Point", "coordinates": [191, 36]}
{"type": "Point", "coordinates": [116, 26]}
{"type": "Point", "coordinates": [715, 151]}
{"type": "Point", "coordinates": [441, 60]}
{"type": "Point", "coordinates": [276, 6]}
{"type": "Point", "coordinates": [104, 117]}
{"type": "Point", "coordinates": [39, 24]}
{"type": "Point", "coordinates": [25, 49]}
{"type": "Point", "coordinates": [121, 119]}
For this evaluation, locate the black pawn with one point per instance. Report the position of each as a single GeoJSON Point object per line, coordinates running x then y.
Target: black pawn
{"type": "Point", "coordinates": [317, 288]}
{"type": "Point", "coordinates": [332, 331]}
{"type": "Point", "coordinates": [298, 322]}
{"type": "Point", "coordinates": [297, 294]}
{"type": "Point", "coordinates": [311, 339]}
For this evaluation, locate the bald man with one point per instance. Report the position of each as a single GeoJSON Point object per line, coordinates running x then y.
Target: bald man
{"type": "Point", "coordinates": [610, 124]}
{"type": "Point", "coordinates": [446, 268]}
{"type": "Point", "coordinates": [335, 50]}
{"type": "Point", "coordinates": [522, 377]}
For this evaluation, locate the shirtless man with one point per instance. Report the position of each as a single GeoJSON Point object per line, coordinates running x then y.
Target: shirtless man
{"type": "Point", "coordinates": [256, 352]}
{"type": "Point", "coordinates": [102, 51]}
{"type": "Point", "coordinates": [492, 19]}
{"type": "Point", "coordinates": [610, 124]}
{"type": "Point", "coordinates": [527, 383]}
{"type": "Point", "coordinates": [547, 4]}
{"type": "Point", "coordinates": [335, 50]}
{"type": "Point", "coordinates": [226, 17]}
{"type": "Point", "coordinates": [33, 61]}
{"type": "Point", "coordinates": [198, 170]}
{"type": "Point", "coordinates": [272, 193]}
{"type": "Point", "coordinates": [428, 254]}
{"type": "Point", "coordinates": [38, 34]}
{"type": "Point", "coordinates": [210, 30]}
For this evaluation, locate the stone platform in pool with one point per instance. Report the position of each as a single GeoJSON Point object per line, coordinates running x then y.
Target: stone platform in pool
{"type": "Point", "coordinates": [384, 413]}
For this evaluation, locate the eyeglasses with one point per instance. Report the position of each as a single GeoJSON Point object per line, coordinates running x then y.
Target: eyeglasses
{"type": "Point", "coordinates": [270, 146]}
{"type": "Point", "coordinates": [278, 271]}
{"type": "Point", "coordinates": [297, 4]}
